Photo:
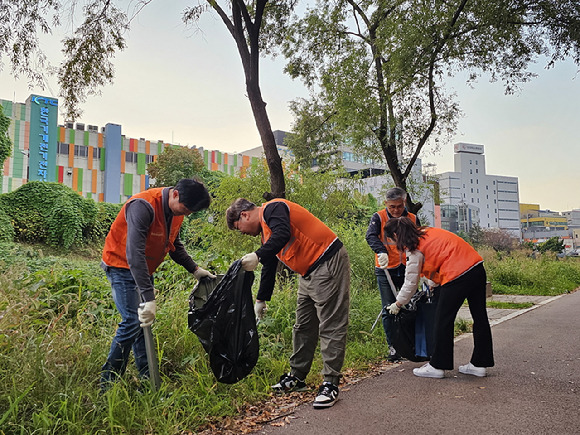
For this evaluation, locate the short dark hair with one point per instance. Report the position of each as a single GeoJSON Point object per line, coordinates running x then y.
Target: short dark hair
{"type": "Point", "coordinates": [193, 194]}
{"type": "Point", "coordinates": [235, 210]}
{"type": "Point", "coordinates": [404, 231]}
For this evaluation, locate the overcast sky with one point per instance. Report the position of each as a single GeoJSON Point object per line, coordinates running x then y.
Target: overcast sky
{"type": "Point", "coordinates": [186, 85]}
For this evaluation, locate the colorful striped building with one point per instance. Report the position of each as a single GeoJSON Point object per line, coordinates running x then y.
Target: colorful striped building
{"type": "Point", "coordinates": [100, 164]}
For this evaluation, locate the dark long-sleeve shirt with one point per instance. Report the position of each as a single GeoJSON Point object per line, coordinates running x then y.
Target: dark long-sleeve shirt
{"type": "Point", "coordinates": [139, 215]}
{"type": "Point", "coordinates": [373, 236]}
{"type": "Point", "coordinates": [277, 217]}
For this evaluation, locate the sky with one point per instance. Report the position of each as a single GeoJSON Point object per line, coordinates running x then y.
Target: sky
{"type": "Point", "coordinates": [186, 85]}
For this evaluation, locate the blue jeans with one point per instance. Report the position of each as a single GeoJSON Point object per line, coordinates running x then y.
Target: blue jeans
{"type": "Point", "coordinates": [129, 333]}
{"type": "Point", "coordinates": [387, 296]}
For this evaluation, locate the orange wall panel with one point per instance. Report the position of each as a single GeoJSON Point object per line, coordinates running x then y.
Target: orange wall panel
{"type": "Point", "coordinates": [123, 162]}
{"type": "Point", "coordinates": [75, 180]}
{"type": "Point", "coordinates": [94, 181]}
{"type": "Point", "coordinates": [90, 158]}
{"type": "Point", "coordinates": [71, 155]}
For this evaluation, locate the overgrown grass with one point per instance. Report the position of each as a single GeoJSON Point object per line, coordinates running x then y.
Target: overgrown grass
{"type": "Point", "coordinates": [522, 274]}
{"type": "Point", "coordinates": [509, 305]}
{"type": "Point", "coordinates": [57, 319]}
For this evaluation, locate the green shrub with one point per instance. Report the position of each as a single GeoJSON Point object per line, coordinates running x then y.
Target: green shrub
{"type": "Point", "coordinates": [6, 228]}
{"type": "Point", "coordinates": [54, 214]}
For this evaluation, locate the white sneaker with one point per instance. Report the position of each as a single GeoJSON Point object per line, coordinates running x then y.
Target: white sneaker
{"type": "Point", "coordinates": [428, 371]}
{"type": "Point", "coordinates": [470, 369]}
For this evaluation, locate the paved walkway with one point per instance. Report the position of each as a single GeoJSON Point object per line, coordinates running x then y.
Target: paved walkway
{"type": "Point", "coordinates": [534, 387]}
{"type": "Point", "coordinates": [497, 315]}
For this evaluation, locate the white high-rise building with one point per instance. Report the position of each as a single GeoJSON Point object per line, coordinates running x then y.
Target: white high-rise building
{"type": "Point", "coordinates": [496, 196]}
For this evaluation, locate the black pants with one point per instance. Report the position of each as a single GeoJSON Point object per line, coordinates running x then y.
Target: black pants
{"type": "Point", "coordinates": [470, 286]}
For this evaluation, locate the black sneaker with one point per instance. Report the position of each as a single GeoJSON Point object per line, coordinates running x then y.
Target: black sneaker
{"type": "Point", "coordinates": [393, 355]}
{"type": "Point", "coordinates": [327, 395]}
{"type": "Point", "coordinates": [289, 383]}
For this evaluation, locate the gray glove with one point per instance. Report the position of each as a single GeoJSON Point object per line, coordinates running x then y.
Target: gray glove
{"type": "Point", "coordinates": [250, 261]}
{"type": "Point", "coordinates": [202, 273]}
{"type": "Point", "coordinates": [383, 258]}
{"type": "Point", "coordinates": [146, 313]}
{"type": "Point", "coordinates": [260, 309]}
{"type": "Point", "coordinates": [393, 308]}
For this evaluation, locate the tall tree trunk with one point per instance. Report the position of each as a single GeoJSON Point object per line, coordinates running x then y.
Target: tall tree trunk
{"type": "Point", "coordinates": [277, 182]}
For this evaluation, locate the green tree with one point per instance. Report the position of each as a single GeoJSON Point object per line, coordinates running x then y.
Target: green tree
{"type": "Point", "coordinates": [256, 27]}
{"type": "Point", "coordinates": [5, 142]}
{"type": "Point", "coordinates": [553, 244]}
{"type": "Point", "coordinates": [90, 47]}
{"type": "Point", "coordinates": [377, 68]}
{"type": "Point", "coordinates": [175, 163]}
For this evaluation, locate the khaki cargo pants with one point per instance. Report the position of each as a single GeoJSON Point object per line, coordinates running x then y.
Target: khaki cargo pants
{"type": "Point", "coordinates": [322, 312]}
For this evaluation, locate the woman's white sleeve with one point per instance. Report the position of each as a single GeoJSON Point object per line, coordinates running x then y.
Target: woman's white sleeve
{"type": "Point", "coordinates": [412, 275]}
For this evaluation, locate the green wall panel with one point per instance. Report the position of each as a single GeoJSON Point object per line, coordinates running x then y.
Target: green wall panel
{"type": "Point", "coordinates": [128, 184]}
{"type": "Point", "coordinates": [141, 158]}
{"type": "Point", "coordinates": [80, 179]}
{"type": "Point", "coordinates": [102, 166]}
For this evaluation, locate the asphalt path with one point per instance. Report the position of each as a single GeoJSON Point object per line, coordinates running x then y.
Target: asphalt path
{"type": "Point", "coordinates": [534, 387]}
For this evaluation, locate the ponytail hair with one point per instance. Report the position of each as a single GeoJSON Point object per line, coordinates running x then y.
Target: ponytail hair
{"type": "Point", "coordinates": [403, 231]}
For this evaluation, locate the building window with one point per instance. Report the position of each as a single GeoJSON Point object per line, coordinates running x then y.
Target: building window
{"type": "Point", "coordinates": [149, 159]}
{"type": "Point", "coordinates": [471, 171]}
{"type": "Point", "coordinates": [130, 157]}
{"type": "Point", "coordinates": [472, 190]}
{"type": "Point", "coordinates": [96, 153]}
{"type": "Point", "coordinates": [81, 151]}
{"type": "Point", "coordinates": [62, 148]}
{"type": "Point", "coordinates": [477, 170]}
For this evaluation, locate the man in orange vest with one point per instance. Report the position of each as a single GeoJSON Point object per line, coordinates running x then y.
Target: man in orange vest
{"type": "Point", "coordinates": [293, 235]}
{"type": "Point", "coordinates": [144, 232]}
{"type": "Point", "coordinates": [387, 257]}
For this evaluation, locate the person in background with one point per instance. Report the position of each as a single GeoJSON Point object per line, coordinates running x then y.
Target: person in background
{"type": "Point", "coordinates": [387, 256]}
{"type": "Point", "coordinates": [145, 230]}
{"type": "Point", "coordinates": [450, 262]}
{"type": "Point", "coordinates": [293, 235]}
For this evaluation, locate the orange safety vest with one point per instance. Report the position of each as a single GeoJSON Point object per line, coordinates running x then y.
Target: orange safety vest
{"type": "Point", "coordinates": [396, 258]}
{"type": "Point", "coordinates": [309, 237]}
{"type": "Point", "coordinates": [447, 256]}
{"type": "Point", "coordinates": [158, 244]}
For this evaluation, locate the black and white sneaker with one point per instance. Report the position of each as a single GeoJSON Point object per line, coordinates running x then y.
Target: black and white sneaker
{"type": "Point", "coordinates": [289, 383]}
{"type": "Point", "coordinates": [393, 355]}
{"type": "Point", "coordinates": [327, 395]}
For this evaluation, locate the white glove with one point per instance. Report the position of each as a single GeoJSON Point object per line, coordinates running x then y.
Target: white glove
{"type": "Point", "coordinates": [383, 260]}
{"type": "Point", "coordinates": [202, 273]}
{"type": "Point", "coordinates": [393, 308]}
{"type": "Point", "coordinates": [250, 261]}
{"type": "Point", "coordinates": [260, 309]}
{"type": "Point", "coordinates": [431, 284]}
{"type": "Point", "coordinates": [147, 313]}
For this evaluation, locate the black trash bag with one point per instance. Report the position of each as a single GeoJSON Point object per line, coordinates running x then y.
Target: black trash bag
{"type": "Point", "coordinates": [226, 324]}
{"type": "Point", "coordinates": [412, 329]}
{"type": "Point", "coordinates": [403, 333]}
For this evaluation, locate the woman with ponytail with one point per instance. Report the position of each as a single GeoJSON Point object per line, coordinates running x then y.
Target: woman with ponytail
{"type": "Point", "coordinates": [447, 261]}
